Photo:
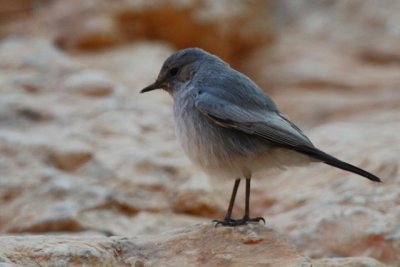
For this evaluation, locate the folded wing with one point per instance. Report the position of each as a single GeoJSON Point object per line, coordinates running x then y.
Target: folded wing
{"type": "Point", "coordinates": [255, 121]}
{"type": "Point", "coordinates": [268, 124]}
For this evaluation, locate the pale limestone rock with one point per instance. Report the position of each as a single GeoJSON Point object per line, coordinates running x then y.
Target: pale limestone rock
{"type": "Point", "coordinates": [199, 244]}
{"type": "Point", "coordinates": [69, 156]}
{"type": "Point", "coordinates": [348, 262]}
{"type": "Point", "coordinates": [90, 83]}
{"type": "Point", "coordinates": [88, 32]}
{"type": "Point", "coordinates": [197, 197]}
{"type": "Point", "coordinates": [194, 245]}
{"type": "Point", "coordinates": [98, 24]}
{"type": "Point", "coordinates": [33, 52]}
{"type": "Point", "coordinates": [333, 69]}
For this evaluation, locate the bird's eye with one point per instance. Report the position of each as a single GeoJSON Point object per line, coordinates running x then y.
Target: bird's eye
{"type": "Point", "coordinates": [173, 71]}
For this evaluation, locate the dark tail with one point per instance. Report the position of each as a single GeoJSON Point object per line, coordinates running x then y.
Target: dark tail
{"type": "Point", "coordinates": [328, 159]}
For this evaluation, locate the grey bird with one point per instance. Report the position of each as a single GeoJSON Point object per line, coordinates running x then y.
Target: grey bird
{"type": "Point", "coordinates": [229, 127]}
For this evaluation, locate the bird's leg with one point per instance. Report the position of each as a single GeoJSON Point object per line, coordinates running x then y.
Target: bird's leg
{"type": "Point", "coordinates": [228, 219]}
{"type": "Point", "coordinates": [246, 218]}
{"type": "Point", "coordinates": [232, 201]}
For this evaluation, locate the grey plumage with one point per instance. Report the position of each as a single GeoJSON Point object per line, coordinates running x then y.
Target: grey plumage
{"type": "Point", "coordinates": [228, 126]}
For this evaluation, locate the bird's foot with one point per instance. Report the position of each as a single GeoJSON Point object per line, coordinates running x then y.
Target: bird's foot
{"type": "Point", "coordinates": [232, 223]}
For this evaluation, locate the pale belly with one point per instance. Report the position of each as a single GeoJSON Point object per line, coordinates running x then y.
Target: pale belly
{"type": "Point", "coordinates": [228, 153]}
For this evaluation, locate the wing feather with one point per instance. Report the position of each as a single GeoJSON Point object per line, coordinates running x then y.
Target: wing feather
{"type": "Point", "coordinates": [261, 122]}
{"type": "Point", "coordinates": [270, 125]}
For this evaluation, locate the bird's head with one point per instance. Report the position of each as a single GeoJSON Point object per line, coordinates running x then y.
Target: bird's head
{"type": "Point", "coordinates": [178, 69]}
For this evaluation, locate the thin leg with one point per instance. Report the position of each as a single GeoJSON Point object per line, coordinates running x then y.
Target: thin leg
{"type": "Point", "coordinates": [247, 201]}
{"type": "Point", "coordinates": [228, 215]}
{"type": "Point", "coordinates": [246, 217]}
{"type": "Point", "coordinates": [232, 201]}
{"type": "Point", "coordinates": [228, 221]}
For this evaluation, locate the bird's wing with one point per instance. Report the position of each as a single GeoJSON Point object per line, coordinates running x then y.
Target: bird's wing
{"type": "Point", "coordinates": [254, 120]}
{"type": "Point", "coordinates": [269, 125]}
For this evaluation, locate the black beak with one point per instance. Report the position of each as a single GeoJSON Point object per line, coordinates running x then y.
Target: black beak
{"type": "Point", "coordinates": [151, 87]}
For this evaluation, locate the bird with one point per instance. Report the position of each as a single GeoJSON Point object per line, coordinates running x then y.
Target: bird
{"type": "Point", "coordinates": [230, 128]}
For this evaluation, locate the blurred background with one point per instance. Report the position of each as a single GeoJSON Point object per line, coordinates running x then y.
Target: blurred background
{"type": "Point", "coordinates": [83, 153]}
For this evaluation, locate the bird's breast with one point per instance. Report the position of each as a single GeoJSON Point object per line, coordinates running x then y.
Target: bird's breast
{"type": "Point", "coordinates": [217, 150]}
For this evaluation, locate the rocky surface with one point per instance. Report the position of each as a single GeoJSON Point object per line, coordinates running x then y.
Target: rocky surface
{"type": "Point", "coordinates": [100, 24]}
{"type": "Point", "coordinates": [93, 167]}
{"type": "Point", "coordinates": [195, 245]}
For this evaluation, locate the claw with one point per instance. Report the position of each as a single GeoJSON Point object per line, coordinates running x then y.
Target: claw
{"type": "Point", "coordinates": [224, 222]}
{"type": "Point", "coordinates": [257, 219]}
{"type": "Point", "coordinates": [232, 223]}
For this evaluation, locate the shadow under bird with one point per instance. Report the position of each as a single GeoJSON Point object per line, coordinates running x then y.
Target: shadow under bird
{"type": "Point", "coordinates": [229, 127]}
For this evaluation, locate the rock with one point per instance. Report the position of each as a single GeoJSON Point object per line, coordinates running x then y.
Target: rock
{"type": "Point", "coordinates": [89, 33]}
{"type": "Point", "coordinates": [89, 83]}
{"type": "Point", "coordinates": [34, 53]}
{"type": "Point", "coordinates": [348, 215]}
{"type": "Point", "coordinates": [83, 154]}
{"type": "Point", "coordinates": [372, 24]}
{"type": "Point", "coordinates": [195, 245]}
{"type": "Point", "coordinates": [127, 63]}
{"type": "Point", "coordinates": [190, 246]}
{"type": "Point", "coordinates": [305, 63]}
{"type": "Point", "coordinates": [59, 252]}
{"type": "Point", "coordinates": [350, 262]}
{"type": "Point", "coordinates": [318, 55]}
{"type": "Point", "coordinates": [232, 30]}
{"type": "Point", "coordinates": [197, 197]}
{"type": "Point", "coordinates": [70, 156]}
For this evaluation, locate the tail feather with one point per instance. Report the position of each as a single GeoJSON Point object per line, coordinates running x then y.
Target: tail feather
{"type": "Point", "coordinates": [330, 160]}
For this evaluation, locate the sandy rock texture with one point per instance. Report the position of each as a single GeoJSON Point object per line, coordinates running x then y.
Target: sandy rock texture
{"type": "Point", "coordinates": [253, 245]}
{"type": "Point", "coordinates": [90, 172]}
{"type": "Point", "coordinates": [232, 30]}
